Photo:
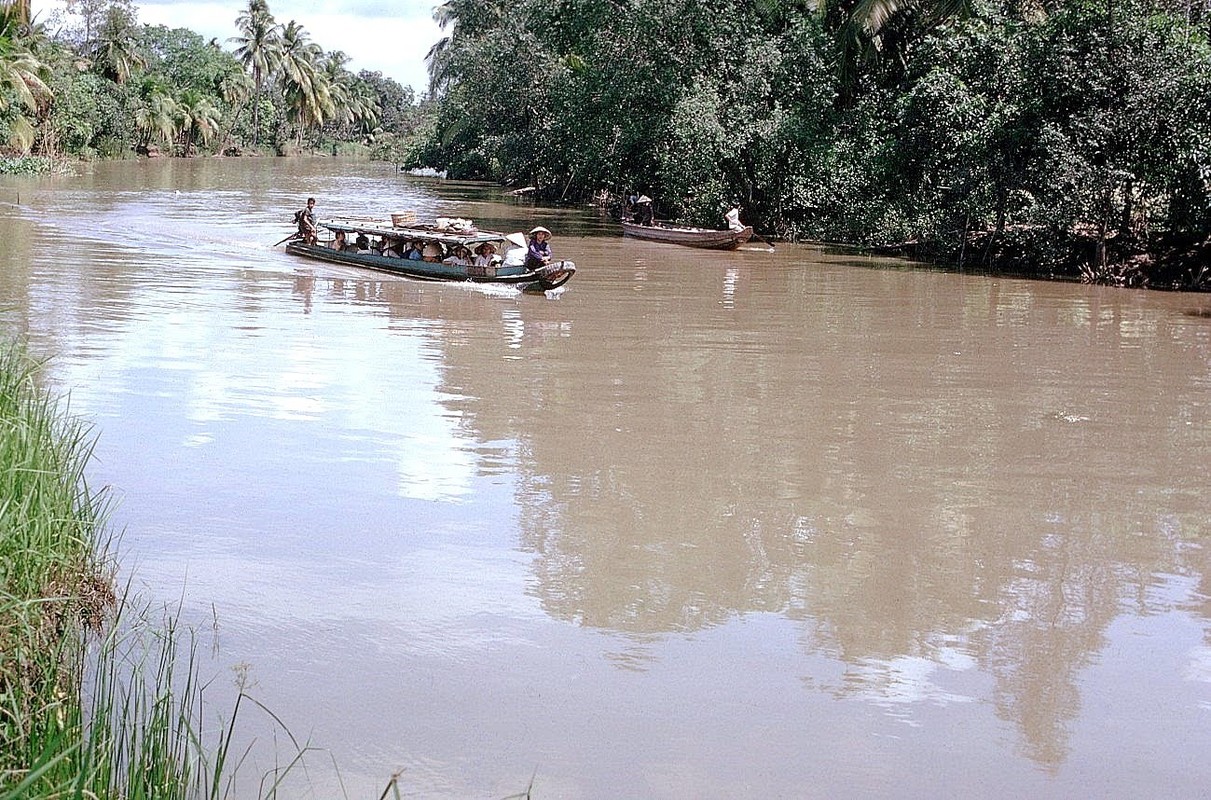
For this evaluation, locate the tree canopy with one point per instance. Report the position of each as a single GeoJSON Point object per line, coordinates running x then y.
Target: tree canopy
{"type": "Point", "coordinates": [1051, 135]}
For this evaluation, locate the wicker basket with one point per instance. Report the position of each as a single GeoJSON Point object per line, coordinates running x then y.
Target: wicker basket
{"type": "Point", "coordinates": [403, 219]}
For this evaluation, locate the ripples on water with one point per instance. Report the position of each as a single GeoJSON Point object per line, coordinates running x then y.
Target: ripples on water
{"type": "Point", "coordinates": [787, 523]}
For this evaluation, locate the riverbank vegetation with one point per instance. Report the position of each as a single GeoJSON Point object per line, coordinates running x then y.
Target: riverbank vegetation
{"type": "Point", "coordinates": [97, 84]}
{"type": "Point", "coordinates": [1047, 137]}
{"type": "Point", "coordinates": [95, 699]}
{"type": "Point", "coordinates": [1052, 138]}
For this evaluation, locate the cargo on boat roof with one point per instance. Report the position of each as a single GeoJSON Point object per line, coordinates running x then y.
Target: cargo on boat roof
{"type": "Point", "coordinates": [439, 233]}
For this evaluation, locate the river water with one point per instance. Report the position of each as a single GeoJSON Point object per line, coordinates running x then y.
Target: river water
{"type": "Point", "coordinates": [793, 524]}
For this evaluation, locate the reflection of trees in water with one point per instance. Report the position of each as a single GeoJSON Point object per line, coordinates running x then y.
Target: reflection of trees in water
{"type": "Point", "coordinates": [899, 488]}
{"type": "Point", "coordinates": [1053, 611]}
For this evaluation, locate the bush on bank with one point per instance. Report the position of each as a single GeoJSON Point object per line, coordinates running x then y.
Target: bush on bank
{"type": "Point", "coordinates": [95, 700]}
{"type": "Point", "coordinates": [1062, 139]}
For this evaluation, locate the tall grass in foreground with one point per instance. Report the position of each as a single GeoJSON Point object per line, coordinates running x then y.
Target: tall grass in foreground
{"type": "Point", "coordinates": [97, 700]}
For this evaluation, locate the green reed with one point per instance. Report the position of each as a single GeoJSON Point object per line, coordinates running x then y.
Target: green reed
{"type": "Point", "coordinates": [98, 699]}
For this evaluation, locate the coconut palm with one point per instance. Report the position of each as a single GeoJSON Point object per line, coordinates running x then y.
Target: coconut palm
{"type": "Point", "coordinates": [20, 79]}
{"type": "Point", "coordinates": [363, 105]}
{"type": "Point", "coordinates": [197, 119]}
{"type": "Point", "coordinates": [874, 30]}
{"type": "Point", "coordinates": [305, 86]}
{"type": "Point", "coordinates": [354, 103]}
{"type": "Point", "coordinates": [259, 49]}
{"type": "Point", "coordinates": [480, 16]}
{"type": "Point", "coordinates": [20, 11]}
{"type": "Point", "coordinates": [115, 50]}
{"type": "Point", "coordinates": [158, 118]}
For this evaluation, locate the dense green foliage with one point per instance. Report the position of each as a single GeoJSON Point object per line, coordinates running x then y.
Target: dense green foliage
{"type": "Point", "coordinates": [1052, 137]}
{"type": "Point", "coordinates": [1064, 137]}
{"type": "Point", "coordinates": [102, 85]}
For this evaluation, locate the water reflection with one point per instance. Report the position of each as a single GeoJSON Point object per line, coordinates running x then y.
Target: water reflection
{"type": "Point", "coordinates": [964, 493]}
{"type": "Point", "coordinates": [913, 497]}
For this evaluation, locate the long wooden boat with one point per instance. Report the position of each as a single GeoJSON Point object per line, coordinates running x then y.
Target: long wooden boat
{"type": "Point", "coordinates": [380, 232]}
{"type": "Point", "coordinates": [691, 237]}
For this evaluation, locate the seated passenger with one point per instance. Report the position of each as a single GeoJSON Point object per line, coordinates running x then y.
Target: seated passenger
{"type": "Point", "coordinates": [339, 243]}
{"type": "Point", "coordinates": [432, 252]}
{"type": "Point", "coordinates": [363, 243]}
{"type": "Point", "coordinates": [461, 257]}
{"type": "Point", "coordinates": [515, 256]}
{"type": "Point", "coordinates": [391, 248]}
{"type": "Point", "coordinates": [415, 250]}
{"type": "Point", "coordinates": [539, 252]}
{"type": "Point", "coordinates": [733, 220]}
{"type": "Point", "coordinates": [643, 211]}
{"type": "Point", "coordinates": [485, 255]}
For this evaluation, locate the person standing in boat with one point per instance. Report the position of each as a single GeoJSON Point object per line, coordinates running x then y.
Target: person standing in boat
{"type": "Point", "coordinates": [539, 251]}
{"type": "Point", "coordinates": [643, 210]}
{"type": "Point", "coordinates": [305, 218]}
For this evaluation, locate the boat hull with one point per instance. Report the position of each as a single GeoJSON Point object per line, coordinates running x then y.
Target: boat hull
{"type": "Point", "coordinates": [690, 237]}
{"type": "Point", "coordinates": [550, 276]}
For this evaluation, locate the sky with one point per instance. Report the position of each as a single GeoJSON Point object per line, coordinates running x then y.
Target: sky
{"type": "Point", "coordinates": [388, 36]}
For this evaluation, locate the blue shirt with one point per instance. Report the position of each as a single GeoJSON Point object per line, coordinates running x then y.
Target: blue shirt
{"type": "Point", "coordinates": [538, 253]}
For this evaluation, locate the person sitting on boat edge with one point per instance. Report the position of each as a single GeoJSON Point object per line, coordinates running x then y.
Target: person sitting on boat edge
{"type": "Point", "coordinates": [733, 220]}
{"type": "Point", "coordinates": [539, 251]}
{"type": "Point", "coordinates": [305, 219]}
{"type": "Point", "coordinates": [485, 255]}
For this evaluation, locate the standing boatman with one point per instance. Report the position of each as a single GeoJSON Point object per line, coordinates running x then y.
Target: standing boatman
{"type": "Point", "coordinates": [305, 217]}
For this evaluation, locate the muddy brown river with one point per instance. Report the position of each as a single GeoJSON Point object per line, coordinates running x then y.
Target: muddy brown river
{"type": "Point", "coordinates": [788, 524]}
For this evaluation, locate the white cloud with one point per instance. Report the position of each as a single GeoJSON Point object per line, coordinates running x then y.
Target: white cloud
{"type": "Point", "coordinates": [391, 38]}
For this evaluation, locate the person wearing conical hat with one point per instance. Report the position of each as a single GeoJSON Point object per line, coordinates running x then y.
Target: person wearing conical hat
{"type": "Point", "coordinates": [643, 211]}
{"type": "Point", "coordinates": [515, 250]}
{"type": "Point", "coordinates": [485, 255]}
{"type": "Point", "coordinates": [539, 251]}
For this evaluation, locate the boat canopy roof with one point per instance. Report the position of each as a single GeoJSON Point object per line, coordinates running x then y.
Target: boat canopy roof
{"type": "Point", "coordinates": [427, 233]}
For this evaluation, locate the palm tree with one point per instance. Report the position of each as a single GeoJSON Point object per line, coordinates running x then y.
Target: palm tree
{"type": "Point", "coordinates": [870, 31]}
{"type": "Point", "coordinates": [259, 49]}
{"type": "Point", "coordinates": [20, 10]}
{"type": "Point", "coordinates": [197, 119]}
{"type": "Point", "coordinates": [158, 119]}
{"type": "Point", "coordinates": [115, 50]}
{"type": "Point", "coordinates": [480, 16]}
{"type": "Point", "coordinates": [363, 106]}
{"type": "Point", "coordinates": [354, 102]}
{"type": "Point", "coordinates": [20, 79]}
{"type": "Point", "coordinates": [304, 84]}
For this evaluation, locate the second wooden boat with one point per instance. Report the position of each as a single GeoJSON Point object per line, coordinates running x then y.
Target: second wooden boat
{"type": "Point", "coordinates": [690, 237]}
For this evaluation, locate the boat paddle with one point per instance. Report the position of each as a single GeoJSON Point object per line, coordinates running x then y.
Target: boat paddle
{"type": "Point", "coordinates": [762, 238]}
{"type": "Point", "coordinates": [288, 238]}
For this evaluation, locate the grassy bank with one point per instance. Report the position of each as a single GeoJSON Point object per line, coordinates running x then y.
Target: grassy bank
{"type": "Point", "coordinates": [96, 700]}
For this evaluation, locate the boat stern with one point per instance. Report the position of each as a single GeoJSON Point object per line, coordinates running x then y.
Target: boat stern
{"type": "Point", "coordinates": [555, 274]}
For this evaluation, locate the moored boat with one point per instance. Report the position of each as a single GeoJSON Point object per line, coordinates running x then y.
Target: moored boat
{"type": "Point", "coordinates": [691, 237]}
{"type": "Point", "coordinates": [379, 245]}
